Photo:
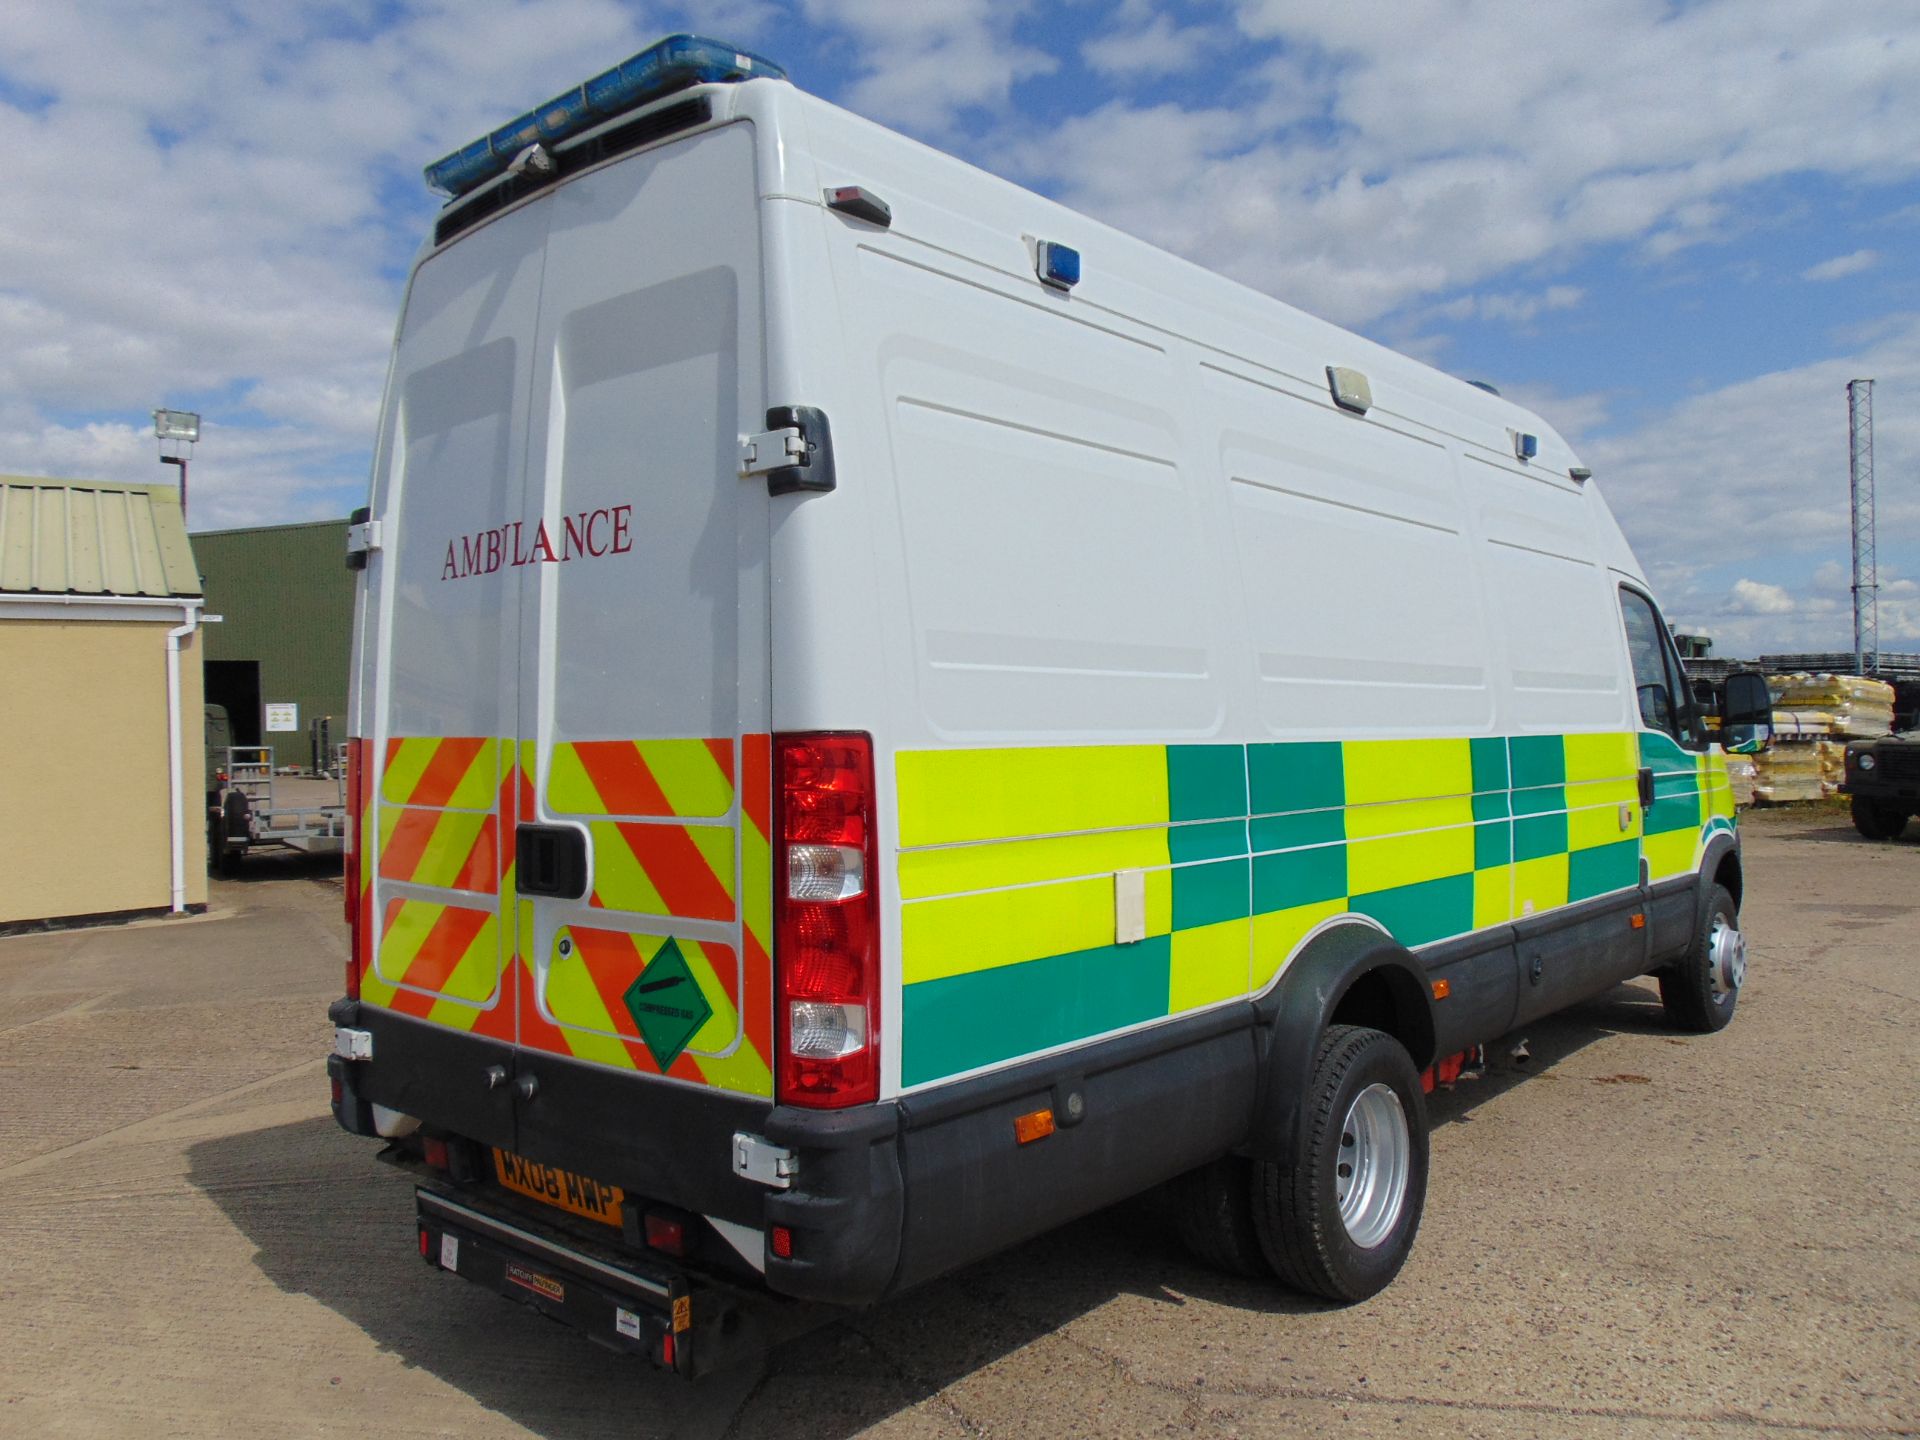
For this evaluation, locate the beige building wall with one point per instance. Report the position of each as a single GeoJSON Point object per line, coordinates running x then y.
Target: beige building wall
{"type": "Point", "coordinates": [84, 806]}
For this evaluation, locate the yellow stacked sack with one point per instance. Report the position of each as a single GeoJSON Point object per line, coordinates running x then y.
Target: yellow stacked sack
{"type": "Point", "coordinates": [1790, 770]}
{"type": "Point", "coordinates": [1846, 705]}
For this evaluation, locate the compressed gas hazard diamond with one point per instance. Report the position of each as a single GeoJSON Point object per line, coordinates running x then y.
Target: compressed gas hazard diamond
{"type": "Point", "coordinates": [667, 1004]}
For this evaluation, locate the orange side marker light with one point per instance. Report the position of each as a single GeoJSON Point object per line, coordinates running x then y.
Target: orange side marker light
{"type": "Point", "coordinates": [1442, 989]}
{"type": "Point", "coordinates": [1034, 1125]}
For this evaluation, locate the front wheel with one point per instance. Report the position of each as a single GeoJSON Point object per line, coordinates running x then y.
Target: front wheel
{"type": "Point", "coordinates": [1701, 988]}
{"type": "Point", "coordinates": [1339, 1220]}
{"type": "Point", "coordinates": [1877, 820]}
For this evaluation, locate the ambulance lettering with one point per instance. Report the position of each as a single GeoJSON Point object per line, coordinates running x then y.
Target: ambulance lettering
{"type": "Point", "coordinates": [589, 534]}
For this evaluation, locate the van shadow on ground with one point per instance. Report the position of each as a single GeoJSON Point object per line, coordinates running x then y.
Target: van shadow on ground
{"type": "Point", "coordinates": [331, 1223]}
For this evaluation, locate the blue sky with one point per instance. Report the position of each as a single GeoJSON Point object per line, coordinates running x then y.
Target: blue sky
{"type": "Point", "coordinates": [1676, 229]}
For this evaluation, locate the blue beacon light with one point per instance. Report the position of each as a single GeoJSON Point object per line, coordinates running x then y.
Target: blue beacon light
{"type": "Point", "coordinates": [671, 64]}
{"type": "Point", "coordinates": [1056, 264]}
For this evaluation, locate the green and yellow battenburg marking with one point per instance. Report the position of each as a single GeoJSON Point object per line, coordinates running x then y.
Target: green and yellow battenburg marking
{"type": "Point", "coordinates": [1009, 857]}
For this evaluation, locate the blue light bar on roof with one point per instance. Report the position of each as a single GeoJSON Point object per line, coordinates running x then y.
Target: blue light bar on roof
{"type": "Point", "coordinates": [672, 64]}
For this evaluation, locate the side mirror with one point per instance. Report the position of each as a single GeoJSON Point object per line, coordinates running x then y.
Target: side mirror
{"type": "Point", "coordinates": [1746, 715]}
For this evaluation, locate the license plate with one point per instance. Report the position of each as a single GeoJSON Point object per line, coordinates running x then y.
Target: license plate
{"type": "Point", "coordinates": [563, 1189]}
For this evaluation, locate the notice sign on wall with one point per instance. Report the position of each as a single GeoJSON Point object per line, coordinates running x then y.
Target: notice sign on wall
{"type": "Point", "coordinates": [283, 718]}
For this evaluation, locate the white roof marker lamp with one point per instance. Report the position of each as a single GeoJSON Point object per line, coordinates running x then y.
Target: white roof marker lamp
{"type": "Point", "coordinates": [668, 65]}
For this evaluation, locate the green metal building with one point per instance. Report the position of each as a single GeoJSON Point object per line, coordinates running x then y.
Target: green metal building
{"type": "Point", "coordinates": [286, 598]}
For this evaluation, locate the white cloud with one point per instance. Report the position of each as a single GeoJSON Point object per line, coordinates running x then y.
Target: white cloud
{"type": "Point", "coordinates": [1842, 266]}
{"type": "Point", "coordinates": [926, 65]}
{"type": "Point", "coordinates": [1390, 161]}
{"type": "Point", "coordinates": [1146, 43]}
{"type": "Point", "coordinates": [1760, 468]}
{"type": "Point", "coordinates": [1757, 597]}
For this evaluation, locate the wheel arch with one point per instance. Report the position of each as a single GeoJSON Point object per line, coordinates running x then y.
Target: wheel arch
{"type": "Point", "coordinates": [1721, 866]}
{"type": "Point", "coordinates": [1351, 973]}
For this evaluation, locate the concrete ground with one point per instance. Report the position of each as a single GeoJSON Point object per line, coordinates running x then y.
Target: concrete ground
{"type": "Point", "coordinates": [1639, 1235]}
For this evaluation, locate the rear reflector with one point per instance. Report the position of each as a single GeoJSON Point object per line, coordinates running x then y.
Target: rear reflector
{"type": "Point", "coordinates": [826, 922]}
{"type": "Point", "coordinates": [780, 1241]}
{"type": "Point", "coordinates": [434, 1152]}
{"type": "Point", "coordinates": [667, 1233]}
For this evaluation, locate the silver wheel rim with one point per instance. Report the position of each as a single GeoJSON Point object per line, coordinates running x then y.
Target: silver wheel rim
{"type": "Point", "coordinates": [1726, 960]}
{"type": "Point", "coordinates": [1376, 1152]}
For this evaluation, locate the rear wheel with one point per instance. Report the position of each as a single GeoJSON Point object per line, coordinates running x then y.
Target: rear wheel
{"type": "Point", "coordinates": [1212, 1213]}
{"type": "Point", "coordinates": [1340, 1220]}
{"type": "Point", "coordinates": [1700, 990]}
{"type": "Point", "coordinates": [1877, 820]}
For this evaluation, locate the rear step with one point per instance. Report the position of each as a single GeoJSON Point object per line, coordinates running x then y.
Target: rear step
{"type": "Point", "coordinates": [625, 1304]}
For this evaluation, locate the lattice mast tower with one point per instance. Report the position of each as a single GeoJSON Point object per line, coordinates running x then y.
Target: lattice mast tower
{"type": "Point", "coordinates": [1866, 570]}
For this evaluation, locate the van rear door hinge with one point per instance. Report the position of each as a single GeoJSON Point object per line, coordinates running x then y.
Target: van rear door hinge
{"type": "Point", "coordinates": [762, 1160]}
{"type": "Point", "coordinates": [794, 453]}
{"type": "Point", "coordinates": [363, 538]}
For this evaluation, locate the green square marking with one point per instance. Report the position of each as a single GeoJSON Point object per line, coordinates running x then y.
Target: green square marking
{"type": "Point", "coordinates": [667, 1004]}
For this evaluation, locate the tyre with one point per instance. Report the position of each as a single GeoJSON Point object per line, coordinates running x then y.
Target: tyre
{"type": "Point", "coordinates": [1339, 1221]}
{"type": "Point", "coordinates": [1211, 1210]}
{"type": "Point", "coordinates": [1700, 990]}
{"type": "Point", "coordinates": [1877, 820]}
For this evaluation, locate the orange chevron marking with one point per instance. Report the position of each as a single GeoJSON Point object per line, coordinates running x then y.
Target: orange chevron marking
{"type": "Point", "coordinates": [722, 752]}
{"type": "Point", "coordinates": [446, 942]}
{"type": "Point", "coordinates": [756, 795]}
{"type": "Point", "coordinates": [678, 871]}
{"type": "Point", "coordinates": [625, 784]}
{"type": "Point", "coordinates": [446, 770]}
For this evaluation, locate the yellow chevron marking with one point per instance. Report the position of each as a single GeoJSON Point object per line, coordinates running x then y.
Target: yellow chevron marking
{"type": "Point", "coordinates": [402, 772]}
{"type": "Point", "coordinates": [618, 877]}
{"type": "Point", "coordinates": [573, 1003]}
{"type": "Point", "coordinates": [689, 776]}
{"type": "Point", "coordinates": [569, 788]}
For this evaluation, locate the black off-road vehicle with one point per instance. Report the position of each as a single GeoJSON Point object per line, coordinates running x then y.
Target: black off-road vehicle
{"type": "Point", "coordinates": [1883, 777]}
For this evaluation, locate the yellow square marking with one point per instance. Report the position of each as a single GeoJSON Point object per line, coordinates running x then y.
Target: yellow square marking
{"type": "Point", "coordinates": [1539, 884]}
{"type": "Point", "coordinates": [1209, 965]}
{"type": "Point", "coordinates": [1278, 933]}
{"type": "Point", "coordinates": [1382, 770]}
{"type": "Point", "coordinates": [953, 795]}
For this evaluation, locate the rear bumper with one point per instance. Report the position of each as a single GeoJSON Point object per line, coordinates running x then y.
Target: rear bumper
{"type": "Point", "coordinates": [886, 1196]}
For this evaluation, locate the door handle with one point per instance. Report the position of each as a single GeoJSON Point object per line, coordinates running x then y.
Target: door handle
{"type": "Point", "coordinates": [1646, 787]}
{"type": "Point", "coordinates": [550, 860]}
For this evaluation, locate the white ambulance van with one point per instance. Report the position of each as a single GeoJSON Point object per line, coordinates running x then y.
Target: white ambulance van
{"type": "Point", "coordinates": [888, 715]}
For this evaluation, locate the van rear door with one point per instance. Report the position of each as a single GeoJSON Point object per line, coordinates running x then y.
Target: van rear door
{"type": "Point", "coordinates": [644, 624]}
{"type": "Point", "coordinates": [450, 488]}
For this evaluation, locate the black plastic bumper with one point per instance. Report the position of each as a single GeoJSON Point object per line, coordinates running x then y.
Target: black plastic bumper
{"type": "Point", "coordinates": [886, 1196]}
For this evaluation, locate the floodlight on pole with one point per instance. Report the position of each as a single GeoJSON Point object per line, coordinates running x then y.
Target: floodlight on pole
{"type": "Point", "coordinates": [177, 430]}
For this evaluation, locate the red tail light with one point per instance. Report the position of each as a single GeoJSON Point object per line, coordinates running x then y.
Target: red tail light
{"type": "Point", "coordinates": [826, 921]}
{"type": "Point", "coordinates": [352, 860]}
